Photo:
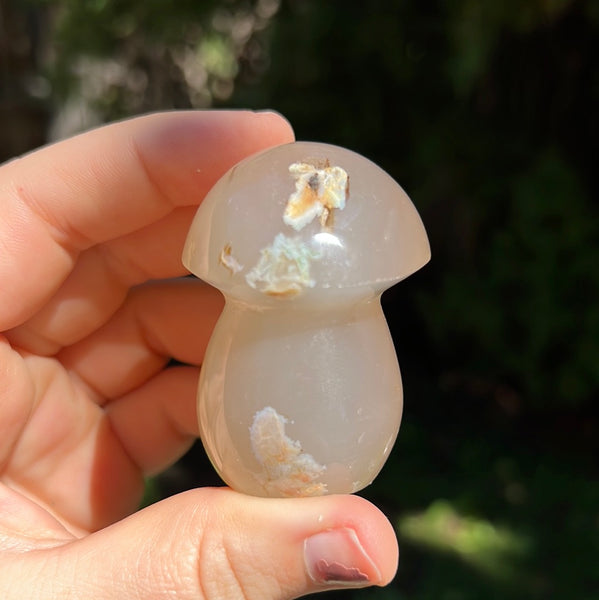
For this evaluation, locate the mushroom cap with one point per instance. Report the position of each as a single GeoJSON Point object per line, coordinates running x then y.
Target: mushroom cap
{"type": "Point", "coordinates": [334, 223]}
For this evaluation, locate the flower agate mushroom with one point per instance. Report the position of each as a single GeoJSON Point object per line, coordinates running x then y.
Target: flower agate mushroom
{"type": "Point", "coordinates": [300, 392]}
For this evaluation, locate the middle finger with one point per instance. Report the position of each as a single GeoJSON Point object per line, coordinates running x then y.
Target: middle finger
{"type": "Point", "coordinates": [100, 282]}
{"type": "Point", "coordinates": [158, 321]}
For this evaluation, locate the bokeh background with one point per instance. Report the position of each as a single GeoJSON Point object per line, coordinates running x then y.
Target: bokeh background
{"type": "Point", "coordinates": [487, 113]}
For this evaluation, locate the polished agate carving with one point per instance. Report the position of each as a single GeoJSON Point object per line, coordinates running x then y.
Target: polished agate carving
{"type": "Point", "coordinates": [300, 392]}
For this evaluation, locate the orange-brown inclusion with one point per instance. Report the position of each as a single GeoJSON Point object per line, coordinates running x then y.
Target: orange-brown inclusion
{"type": "Point", "coordinates": [224, 255]}
{"type": "Point", "coordinates": [308, 199]}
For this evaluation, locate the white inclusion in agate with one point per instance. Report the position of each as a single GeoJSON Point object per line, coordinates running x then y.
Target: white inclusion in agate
{"type": "Point", "coordinates": [286, 470]}
{"type": "Point", "coordinates": [283, 268]}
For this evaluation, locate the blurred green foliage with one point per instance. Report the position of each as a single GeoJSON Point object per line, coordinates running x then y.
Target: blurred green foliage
{"type": "Point", "coordinates": [477, 542]}
{"type": "Point", "coordinates": [487, 113]}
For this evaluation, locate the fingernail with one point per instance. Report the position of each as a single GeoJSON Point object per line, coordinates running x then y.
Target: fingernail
{"type": "Point", "coordinates": [336, 557]}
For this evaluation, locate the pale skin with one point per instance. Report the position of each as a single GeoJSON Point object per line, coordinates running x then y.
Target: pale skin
{"type": "Point", "coordinates": [92, 308]}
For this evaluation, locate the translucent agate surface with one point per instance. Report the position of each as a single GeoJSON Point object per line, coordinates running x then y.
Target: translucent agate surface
{"type": "Point", "coordinates": [300, 391]}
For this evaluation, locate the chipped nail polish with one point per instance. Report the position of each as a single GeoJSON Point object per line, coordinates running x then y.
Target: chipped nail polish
{"type": "Point", "coordinates": [336, 557]}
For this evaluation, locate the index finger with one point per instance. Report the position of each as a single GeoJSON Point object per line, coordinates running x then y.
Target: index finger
{"type": "Point", "coordinates": [107, 183]}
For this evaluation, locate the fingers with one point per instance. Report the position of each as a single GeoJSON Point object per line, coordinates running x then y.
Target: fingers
{"type": "Point", "coordinates": [156, 423]}
{"type": "Point", "coordinates": [67, 457]}
{"type": "Point", "coordinates": [110, 183]}
{"type": "Point", "coordinates": [16, 391]}
{"type": "Point", "coordinates": [85, 463]}
{"type": "Point", "coordinates": [159, 321]}
{"type": "Point", "coordinates": [216, 544]}
{"type": "Point", "coordinates": [99, 283]}
{"type": "Point", "coordinates": [25, 525]}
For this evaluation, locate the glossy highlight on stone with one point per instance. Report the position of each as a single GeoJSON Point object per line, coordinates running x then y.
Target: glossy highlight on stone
{"type": "Point", "coordinates": [300, 392]}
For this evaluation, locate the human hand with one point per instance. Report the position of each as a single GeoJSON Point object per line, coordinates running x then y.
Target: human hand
{"type": "Point", "coordinates": [91, 232]}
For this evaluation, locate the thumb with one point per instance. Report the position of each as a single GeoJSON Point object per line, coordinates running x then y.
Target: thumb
{"type": "Point", "coordinates": [213, 544]}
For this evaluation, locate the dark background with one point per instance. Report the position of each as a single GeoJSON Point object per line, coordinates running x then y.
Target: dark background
{"type": "Point", "coordinates": [486, 113]}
